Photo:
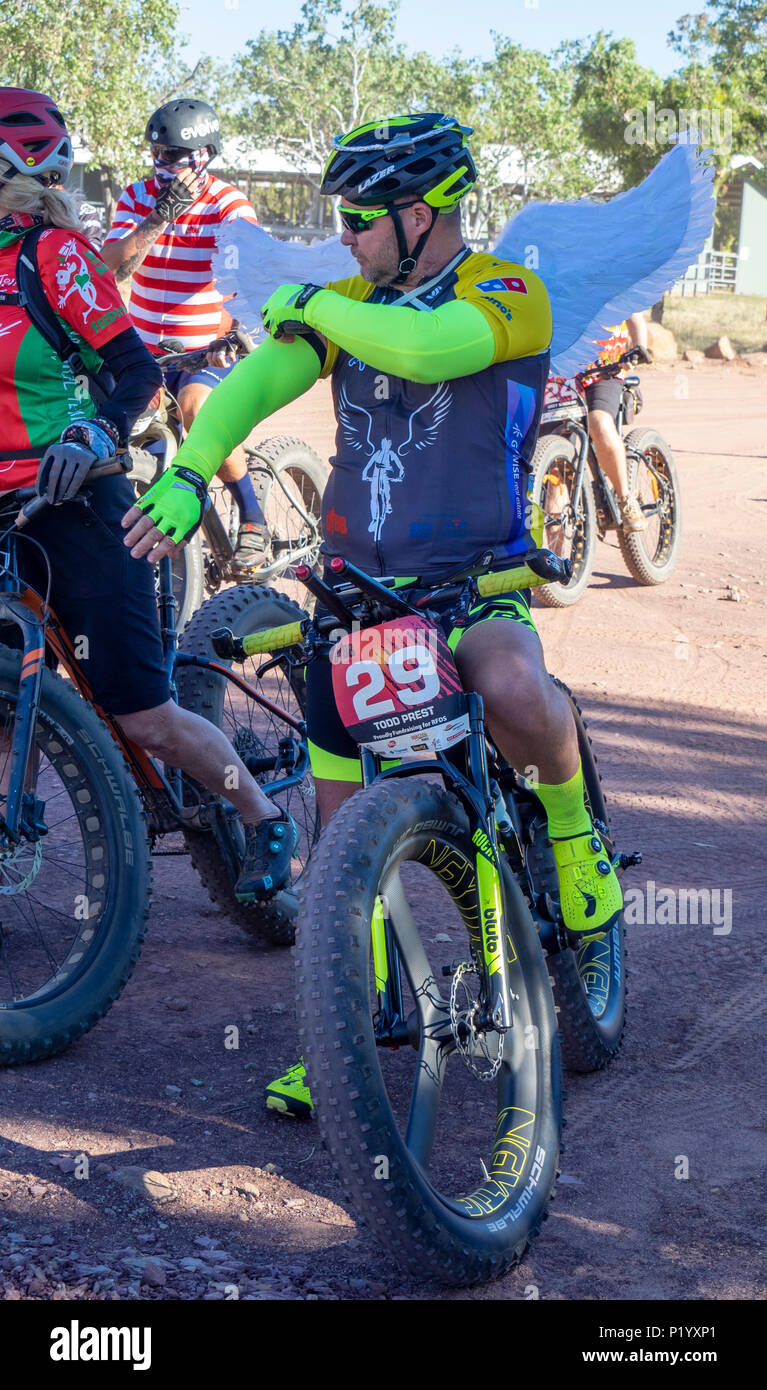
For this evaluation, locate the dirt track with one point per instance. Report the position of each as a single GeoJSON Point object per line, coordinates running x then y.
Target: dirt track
{"type": "Point", "coordinates": [672, 681]}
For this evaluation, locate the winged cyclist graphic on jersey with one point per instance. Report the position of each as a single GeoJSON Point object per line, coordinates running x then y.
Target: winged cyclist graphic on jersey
{"type": "Point", "coordinates": [384, 466]}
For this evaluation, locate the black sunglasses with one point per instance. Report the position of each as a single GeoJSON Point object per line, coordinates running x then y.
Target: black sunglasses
{"type": "Point", "coordinates": [168, 154]}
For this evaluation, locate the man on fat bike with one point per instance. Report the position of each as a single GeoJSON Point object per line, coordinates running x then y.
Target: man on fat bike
{"type": "Point", "coordinates": [442, 353]}
{"type": "Point", "coordinates": [603, 398]}
{"type": "Point", "coordinates": [54, 433]}
{"type": "Point", "coordinates": [161, 245]}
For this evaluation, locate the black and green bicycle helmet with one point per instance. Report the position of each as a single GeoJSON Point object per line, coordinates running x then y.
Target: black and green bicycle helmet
{"type": "Point", "coordinates": [424, 156]}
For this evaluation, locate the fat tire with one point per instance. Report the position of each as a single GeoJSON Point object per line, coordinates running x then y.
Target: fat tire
{"type": "Point", "coordinates": [640, 566]}
{"type": "Point", "coordinates": [550, 450]}
{"type": "Point", "coordinates": [588, 1043]}
{"type": "Point", "coordinates": [244, 609]}
{"type": "Point", "coordinates": [189, 573]}
{"type": "Point", "coordinates": [44, 1028]}
{"type": "Point", "coordinates": [284, 453]}
{"type": "Point", "coordinates": [404, 1213]}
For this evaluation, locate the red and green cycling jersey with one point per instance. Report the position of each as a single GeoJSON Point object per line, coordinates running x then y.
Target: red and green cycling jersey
{"type": "Point", "coordinates": [39, 393]}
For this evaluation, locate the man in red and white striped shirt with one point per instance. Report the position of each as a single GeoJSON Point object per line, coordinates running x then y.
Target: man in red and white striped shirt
{"type": "Point", "coordinates": [161, 242]}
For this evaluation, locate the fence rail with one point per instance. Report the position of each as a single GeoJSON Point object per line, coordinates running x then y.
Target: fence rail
{"type": "Point", "coordinates": [713, 272]}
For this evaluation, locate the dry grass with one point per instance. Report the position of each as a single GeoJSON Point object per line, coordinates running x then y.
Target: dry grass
{"type": "Point", "coordinates": [697, 322]}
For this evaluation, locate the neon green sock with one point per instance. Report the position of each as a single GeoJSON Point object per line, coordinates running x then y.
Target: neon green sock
{"type": "Point", "coordinates": [565, 807]}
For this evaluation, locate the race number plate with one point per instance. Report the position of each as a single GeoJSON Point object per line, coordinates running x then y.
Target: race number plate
{"type": "Point", "coordinates": [397, 689]}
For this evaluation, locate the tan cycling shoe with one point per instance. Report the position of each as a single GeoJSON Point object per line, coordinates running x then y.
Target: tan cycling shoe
{"type": "Point", "coordinates": [632, 516]}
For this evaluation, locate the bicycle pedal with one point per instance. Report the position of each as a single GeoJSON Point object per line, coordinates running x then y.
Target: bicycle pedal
{"type": "Point", "coordinates": [623, 861]}
{"type": "Point", "coordinates": [448, 970]}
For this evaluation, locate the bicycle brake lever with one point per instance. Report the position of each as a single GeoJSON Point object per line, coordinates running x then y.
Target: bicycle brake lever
{"type": "Point", "coordinates": [294, 327]}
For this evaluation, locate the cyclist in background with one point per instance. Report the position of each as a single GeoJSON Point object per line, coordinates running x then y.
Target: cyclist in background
{"type": "Point", "coordinates": [438, 358]}
{"type": "Point", "coordinates": [53, 434]}
{"type": "Point", "coordinates": [161, 243]}
{"type": "Point", "coordinates": [603, 397]}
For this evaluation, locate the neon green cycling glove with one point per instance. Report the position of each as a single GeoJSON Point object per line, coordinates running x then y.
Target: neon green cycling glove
{"type": "Point", "coordinates": [283, 311]}
{"type": "Point", "coordinates": [176, 502]}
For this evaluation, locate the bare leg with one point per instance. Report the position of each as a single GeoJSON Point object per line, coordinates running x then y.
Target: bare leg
{"type": "Point", "coordinates": [527, 715]}
{"type": "Point", "coordinates": [609, 450]}
{"type": "Point", "coordinates": [331, 795]}
{"type": "Point", "coordinates": [183, 739]}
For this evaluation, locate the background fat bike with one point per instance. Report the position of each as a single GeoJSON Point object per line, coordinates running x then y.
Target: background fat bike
{"type": "Point", "coordinates": [81, 807]}
{"type": "Point", "coordinates": [288, 478]}
{"type": "Point", "coordinates": [430, 951]}
{"type": "Point", "coordinates": [579, 503]}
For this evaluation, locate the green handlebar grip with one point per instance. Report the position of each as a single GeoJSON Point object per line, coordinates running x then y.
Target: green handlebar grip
{"type": "Point", "coordinates": [273, 639]}
{"type": "Point", "coordinates": [521, 577]}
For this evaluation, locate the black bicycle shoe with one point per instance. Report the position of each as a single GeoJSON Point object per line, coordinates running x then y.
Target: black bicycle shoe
{"type": "Point", "coordinates": [269, 848]}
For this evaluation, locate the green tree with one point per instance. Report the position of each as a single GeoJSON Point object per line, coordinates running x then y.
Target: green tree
{"type": "Point", "coordinates": [609, 85]}
{"type": "Point", "coordinates": [335, 69]}
{"type": "Point", "coordinates": [725, 49]}
{"type": "Point", "coordinates": [529, 144]}
{"type": "Point", "coordinates": [107, 63]}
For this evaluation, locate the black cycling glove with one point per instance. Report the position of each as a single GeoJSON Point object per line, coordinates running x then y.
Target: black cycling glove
{"type": "Point", "coordinates": [174, 199]}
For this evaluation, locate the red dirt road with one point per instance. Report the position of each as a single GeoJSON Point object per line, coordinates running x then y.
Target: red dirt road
{"type": "Point", "coordinates": [672, 681]}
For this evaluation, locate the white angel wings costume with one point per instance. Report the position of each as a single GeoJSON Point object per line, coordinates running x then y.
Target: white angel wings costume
{"type": "Point", "coordinates": [599, 262]}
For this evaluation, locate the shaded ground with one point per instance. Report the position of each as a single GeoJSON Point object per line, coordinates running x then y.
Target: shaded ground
{"type": "Point", "coordinates": [672, 681]}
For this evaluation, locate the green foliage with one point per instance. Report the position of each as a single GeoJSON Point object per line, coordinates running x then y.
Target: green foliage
{"type": "Point", "coordinates": [555, 125]}
{"type": "Point", "coordinates": [526, 132]}
{"type": "Point", "coordinates": [336, 68]}
{"type": "Point", "coordinates": [609, 84]}
{"type": "Point", "coordinates": [107, 63]}
{"type": "Point", "coordinates": [726, 51]}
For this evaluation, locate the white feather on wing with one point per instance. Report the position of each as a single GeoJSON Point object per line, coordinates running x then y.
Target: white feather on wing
{"type": "Point", "coordinates": [442, 401]}
{"type": "Point", "coordinates": [601, 262]}
{"type": "Point", "coordinates": [251, 264]}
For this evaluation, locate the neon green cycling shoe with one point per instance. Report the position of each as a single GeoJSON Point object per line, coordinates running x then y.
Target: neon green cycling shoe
{"type": "Point", "coordinates": [589, 891]}
{"type": "Point", "coordinates": [289, 1094]}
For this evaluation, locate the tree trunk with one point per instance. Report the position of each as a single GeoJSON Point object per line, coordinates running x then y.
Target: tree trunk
{"type": "Point", "coordinates": [107, 194]}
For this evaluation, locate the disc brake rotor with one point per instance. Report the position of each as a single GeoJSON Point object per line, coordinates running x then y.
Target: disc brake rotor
{"type": "Point", "coordinates": [19, 867]}
{"type": "Point", "coordinates": [474, 1044]}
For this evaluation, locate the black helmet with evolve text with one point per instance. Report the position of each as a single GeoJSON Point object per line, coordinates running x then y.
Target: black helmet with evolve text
{"type": "Point", "coordinates": [184, 124]}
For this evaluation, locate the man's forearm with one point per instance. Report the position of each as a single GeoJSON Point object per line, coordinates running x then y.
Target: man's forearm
{"type": "Point", "coordinates": [125, 256]}
{"type": "Point", "coordinates": [265, 381]}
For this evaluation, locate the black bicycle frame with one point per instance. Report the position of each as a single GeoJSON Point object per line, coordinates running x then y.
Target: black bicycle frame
{"type": "Point", "coordinates": [465, 772]}
{"type": "Point", "coordinates": [13, 609]}
{"type": "Point", "coordinates": [162, 790]}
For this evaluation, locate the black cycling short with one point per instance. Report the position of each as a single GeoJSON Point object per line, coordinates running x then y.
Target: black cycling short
{"type": "Point", "coordinates": [99, 592]}
{"type": "Point", "coordinates": [605, 395]}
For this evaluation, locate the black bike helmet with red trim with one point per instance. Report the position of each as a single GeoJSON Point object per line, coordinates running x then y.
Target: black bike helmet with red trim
{"type": "Point", "coordinates": [184, 124]}
{"type": "Point", "coordinates": [424, 156]}
{"type": "Point", "coordinates": [33, 137]}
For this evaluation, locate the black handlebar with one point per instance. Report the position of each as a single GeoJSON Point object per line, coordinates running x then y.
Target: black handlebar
{"type": "Point", "coordinates": [175, 357]}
